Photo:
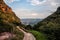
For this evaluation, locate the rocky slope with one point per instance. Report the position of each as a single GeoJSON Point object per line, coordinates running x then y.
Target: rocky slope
{"type": "Point", "coordinates": [7, 14]}
{"type": "Point", "coordinates": [9, 21]}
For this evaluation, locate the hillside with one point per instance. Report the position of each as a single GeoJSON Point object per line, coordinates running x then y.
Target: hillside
{"type": "Point", "coordinates": [9, 21]}
{"type": "Point", "coordinates": [7, 14]}
{"type": "Point", "coordinates": [50, 26]}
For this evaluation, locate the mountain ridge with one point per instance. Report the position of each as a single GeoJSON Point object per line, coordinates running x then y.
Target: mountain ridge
{"type": "Point", "coordinates": [50, 25]}
{"type": "Point", "coordinates": [30, 21]}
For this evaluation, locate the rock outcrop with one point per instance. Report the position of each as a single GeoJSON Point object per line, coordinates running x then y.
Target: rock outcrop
{"type": "Point", "coordinates": [4, 7]}
{"type": "Point", "coordinates": [7, 14]}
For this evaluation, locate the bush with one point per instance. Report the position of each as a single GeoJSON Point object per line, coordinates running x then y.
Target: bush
{"type": "Point", "coordinates": [38, 35]}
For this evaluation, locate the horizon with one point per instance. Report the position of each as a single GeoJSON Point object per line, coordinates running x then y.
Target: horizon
{"type": "Point", "coordinates": [33, 9]}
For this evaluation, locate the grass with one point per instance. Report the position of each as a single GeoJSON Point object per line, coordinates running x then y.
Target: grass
{"type": "Point", "coordinates": [19, 35]}
{"type": "Point", "coordinates": [9, 28]}
{"type": "Point", "coordinates": [38, 35]}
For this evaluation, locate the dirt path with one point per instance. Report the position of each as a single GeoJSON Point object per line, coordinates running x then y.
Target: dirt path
{"type": "Point", "coordinates": [6, 35]}
{"type": "Point", "coordinates": [27, 36]}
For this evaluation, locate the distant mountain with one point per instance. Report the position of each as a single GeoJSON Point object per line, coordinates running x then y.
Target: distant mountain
{"type": "Point", "coordinates": [30, 21]}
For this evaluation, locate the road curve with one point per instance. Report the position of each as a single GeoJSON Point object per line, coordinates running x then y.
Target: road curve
{"type": "Point", "coordinates": [27, 36]}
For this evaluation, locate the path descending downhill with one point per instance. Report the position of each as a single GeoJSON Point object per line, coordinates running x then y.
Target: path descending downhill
{"type": "Point", "coordinates": [27, 36]}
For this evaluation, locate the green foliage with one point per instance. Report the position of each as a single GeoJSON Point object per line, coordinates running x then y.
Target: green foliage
{"type": "Point", "coordinates": [7, 24]}
{"type": "Point", "coordinates": [28, 27]}
{"type": "Point", "coordinates": [9, 21]}
{"type": "Point", "coordinates": [19, 35]}
{"type": "Point", "coordinates": [50, 26]}
{"type": "Point", "coordinates": [9, 17]}
{"type": "Point", "coordinates": [5, 28]}
{"type": "Point", "coordinates": [12, 29]}
{"type": "Point", "coordinates": [38, 35]}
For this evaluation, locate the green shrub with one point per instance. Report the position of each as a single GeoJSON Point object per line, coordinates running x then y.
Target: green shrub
{"type": "Point", "coordinates": [38, 35]}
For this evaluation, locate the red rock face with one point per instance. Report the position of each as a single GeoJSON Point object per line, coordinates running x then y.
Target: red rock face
{"type": "Point", "coordinates": [4, 7]}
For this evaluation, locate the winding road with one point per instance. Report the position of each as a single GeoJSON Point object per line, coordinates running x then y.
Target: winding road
{"type": "Point", "coordinates": [27, 36]}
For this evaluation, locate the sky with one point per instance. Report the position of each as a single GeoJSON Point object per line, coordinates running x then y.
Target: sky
{"type": "Point", "coordinates": [33, 8]}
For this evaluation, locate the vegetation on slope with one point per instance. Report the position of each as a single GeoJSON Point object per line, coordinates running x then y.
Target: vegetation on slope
{"type": "Point", "coordinates": [50, 26]}
{"type": "Point", "coordinates": [9, 21]}
{"type": "Point", "coordinates": [38, 35]}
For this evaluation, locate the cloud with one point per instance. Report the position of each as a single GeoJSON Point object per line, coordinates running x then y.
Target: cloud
{"type": "Point", "coordinates": [39, 2]}
{"type": "Point", "coordinates": [42, 6]}
{"type": "Point", "coordinates": [34, 14]}
{"type": "Point", "coordinates": [11, 1]}
{"type": "Point", "coordinates": [48, 4]}
{"type": "Point", "coordinates": [26, 13]}
{"type": "Point", "coordinates": [44, 2]}
{"type": "Point", "coordinates": [36, 2]}
{"type": "Point", "coordinates": [54, 3]}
